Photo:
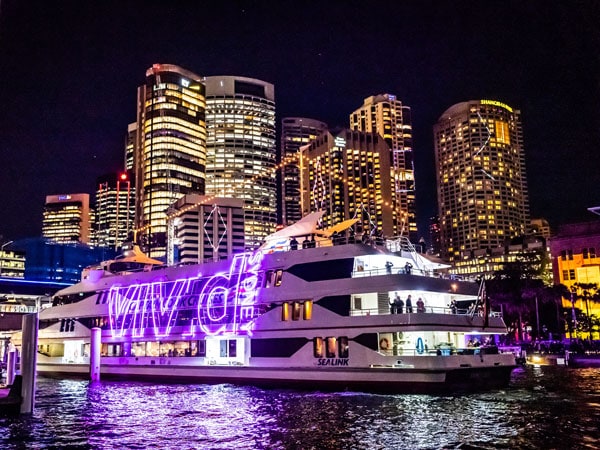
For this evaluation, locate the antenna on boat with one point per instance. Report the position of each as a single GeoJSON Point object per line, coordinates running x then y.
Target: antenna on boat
{"type": "Point", "coordinates": [483, 303]}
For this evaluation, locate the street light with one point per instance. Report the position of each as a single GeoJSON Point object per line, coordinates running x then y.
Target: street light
{"type": "Point", "coordinates": [2, 257]}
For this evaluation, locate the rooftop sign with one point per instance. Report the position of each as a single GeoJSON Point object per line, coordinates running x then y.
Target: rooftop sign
{"type": "Point", "coordinates": [496, 103]}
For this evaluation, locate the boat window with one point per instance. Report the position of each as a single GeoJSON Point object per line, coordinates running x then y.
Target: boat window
{"type": "Point", "coordinates": [343, 346]}
{"type": "Point", "coordinates": [223, 348]}
{"type": "Point", "coordinates": [67, 325]}
{"type": "Point", "coordinates": [201, 350]}
{"type": "Point", "coordinates": [324, 270]}
{"type": "Point", "coordinates": [111, 350]}
{"type": "Point", "coordinates": [102, 298]}
{"type": "Point", "coordinates": [71, 298]}
{"type": "Point", "coordinates": [318, 347]}
{"type": "Point", "coordinates": [273, 278]}
{"type": "Point", "coordinates": [152, 348]}
{"type": "Point", "coordinates": [278, 276]}
{"type": "Point", "coordinates": [232, 348]}
{"type": "Point", "coordinates": [295, 311]}
{"type": "Point", "coordinates": [331, 347]}
{"type": "Point", "coordinates": [268, 279]}
{"type": "Point", "coordinates": [285, 311]}
{"type": "Point", "coordinates": [276, 347]}
{"type": "Point", "coordinates": [308, 304]}
{"type": "Point", "coordinates": [138, 349]}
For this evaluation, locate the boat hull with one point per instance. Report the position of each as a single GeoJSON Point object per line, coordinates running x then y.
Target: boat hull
{"type": "Point", "coordinates": [384, 380]}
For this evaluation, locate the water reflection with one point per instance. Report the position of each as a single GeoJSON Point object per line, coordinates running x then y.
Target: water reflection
{"type": "Point", "coordinates": [545, 407]}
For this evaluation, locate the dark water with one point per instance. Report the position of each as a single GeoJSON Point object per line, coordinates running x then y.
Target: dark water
{"type": "Point", "coordinates": [543, 408]}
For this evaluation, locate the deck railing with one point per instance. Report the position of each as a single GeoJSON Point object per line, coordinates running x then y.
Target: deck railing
{"type": "Point", "coordinates": [444, 351]}
{"type": "Point", "coordinates": [428, 310]}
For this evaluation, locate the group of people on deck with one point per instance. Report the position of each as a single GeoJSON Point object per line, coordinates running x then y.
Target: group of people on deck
{"type": "Point", "coordinates": [397, 305]}
{"type": "Point", "coordinates": [307, 242]}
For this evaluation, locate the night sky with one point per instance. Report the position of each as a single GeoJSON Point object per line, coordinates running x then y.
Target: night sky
{"type": "Point", "coordinates": [69, 71]}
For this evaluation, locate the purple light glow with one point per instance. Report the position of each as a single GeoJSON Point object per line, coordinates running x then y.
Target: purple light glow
{"type": "Point", "coordinates": [223, 303]}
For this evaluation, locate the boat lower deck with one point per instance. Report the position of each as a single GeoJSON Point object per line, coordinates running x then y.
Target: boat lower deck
{"type": "Point", "coordinates": [393, 379]}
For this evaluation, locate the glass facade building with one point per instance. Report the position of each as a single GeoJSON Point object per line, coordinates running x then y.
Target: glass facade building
{"type": "Point", "coordinates": [295, 133]}
{"type": "Point", "coordinates": [114, 210]}
{"type": "Point", "coordinates": [346, 174]}
{"type": "Point", "coordinates": [241, 154]}
{"type": "Point", "coordinates": [170, 149]}
{"type": "Point", "coordinates": [67, 218]}
{"type": "Point", "coordinates": [385, 115]}
{"type": "Point", "coordinates": [482, 186]}
{"type": "Point", "coordinates": [206, 228]}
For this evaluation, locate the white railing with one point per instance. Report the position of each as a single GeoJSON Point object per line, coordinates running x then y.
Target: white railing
{"type": "Point", "coordinates": [428, 310]}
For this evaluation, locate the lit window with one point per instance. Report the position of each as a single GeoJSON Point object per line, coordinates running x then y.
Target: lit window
{"type": "Point", "coordinates": [318, 347]}
{"type": "Point", "coordinates": [295, 311]}
{"type": "Point", "coordinates": [278, 276]}
{"type": "Point", "coordinates": [308, 304]}
{"type": "Point", "coordinates": [343, 347]}
{"type": "Point", "coordinates": [285, 312]}
{"type": "Point", "coordinates": [331, 347]}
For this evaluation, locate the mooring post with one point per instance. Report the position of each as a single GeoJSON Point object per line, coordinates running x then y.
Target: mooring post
{"type": "Point", "coordinates": [29, 361]}
{"type": "Point", "coordinates": [11, 365]}
{"type": "Point", "coordinates": [95, 347]}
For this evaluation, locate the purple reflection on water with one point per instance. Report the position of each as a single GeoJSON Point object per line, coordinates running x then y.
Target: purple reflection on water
{"type": "Point", "coordinates": [548, 407]}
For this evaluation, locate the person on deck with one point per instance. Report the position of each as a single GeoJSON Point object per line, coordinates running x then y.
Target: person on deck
{"type": "Point", "coordinates": [388, 267]}
{"type": "Point", "coordinates": [409, 308]}
{"type": "Point", "coordinates": [399, 304]}
{"type": "Point", "coordinates": [453, 306]}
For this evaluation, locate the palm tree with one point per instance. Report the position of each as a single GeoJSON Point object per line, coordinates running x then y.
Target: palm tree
{"type": "Point", "coordinates": [595, 323]}
{"type": "Point", "coordinates": [589, 291]}
{"type": "Point", "coordinates": [520, 287]}
{"type": "Point", "coordinates": [554, 295]}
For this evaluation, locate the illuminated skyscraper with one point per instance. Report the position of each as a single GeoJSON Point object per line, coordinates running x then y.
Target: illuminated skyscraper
{"type": "Point", "coordinates": [241, 155]}
{"type": "Point", "coordinates": [207, 228]}
{"type": "Point", "coordinates": [482, 187]}
{"type": "Point", "coordinates": [67, 218]}
{"type": "Point", "coordinates": [346, 174]}
{"type": "Point", "coordinates": [115, 210]}
{"type": "Point", "coordinates": [295, 132]}
{"type": "Point", "coordinates": [130, 141]}
{"type": "Point", "coordinates": [170, 149]}
{"type": "Point", "coordinates": [385, 115]}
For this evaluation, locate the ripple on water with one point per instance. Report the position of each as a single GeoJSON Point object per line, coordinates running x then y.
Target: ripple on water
{"type": "Point", "coordinates": [542, 408]}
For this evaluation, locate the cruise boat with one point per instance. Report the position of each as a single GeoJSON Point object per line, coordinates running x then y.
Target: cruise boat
{"type": "Point", "coordinates": [310, 308]}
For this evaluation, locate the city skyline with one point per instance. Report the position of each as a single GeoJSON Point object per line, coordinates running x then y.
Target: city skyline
{"type": "Point", "coordinates": [69, 80]}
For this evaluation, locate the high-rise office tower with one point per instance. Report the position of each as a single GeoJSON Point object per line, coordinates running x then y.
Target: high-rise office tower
{"type": "Point", "coordinates": [295, 133]}
{"type": "Point", "coordinates": [346, 174]}
{"type": "Point", "coordinates": [130, 141]}
{"type": "Point", "coordinates": [241, 155]}
{"type": "Point", "coordinates": [385, 115]}
{"type": "Point", "coordinates": [67, 218]}
{"type": "Point", "coordinates": [207, 228]}
{"type": "Point", "coordinates": [480, 168]}
{"type": "Point", "coordinates": [115, 210]}
{"type": "Point", "coordinates": [170, 149]}
{"type": "Point", "coordinates": [434, 236]}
